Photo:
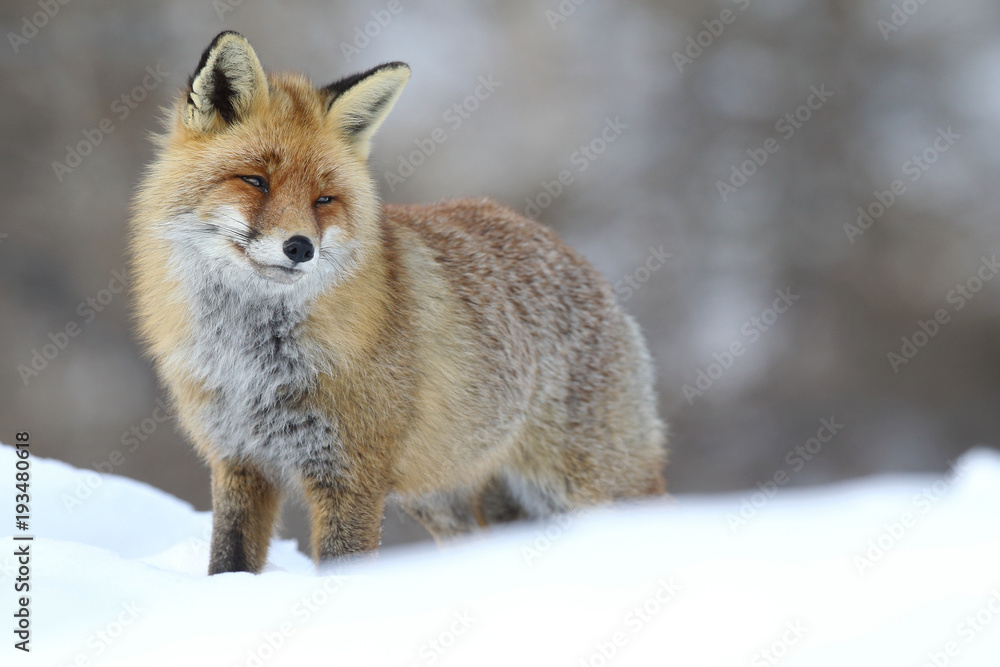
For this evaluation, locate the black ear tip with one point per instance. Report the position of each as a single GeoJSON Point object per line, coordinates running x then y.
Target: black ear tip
{"type": "Point", "coordinates": [339, 87]}
{"type": "Point", "coordinates": [208, 51]}
{"type": "Point", "coordinates": [223, 34]}
{"type": "Point", "coordinates": [215, 43]}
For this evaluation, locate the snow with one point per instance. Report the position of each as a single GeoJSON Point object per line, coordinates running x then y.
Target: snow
{"type": "Point", "coordinates": [886, 571]}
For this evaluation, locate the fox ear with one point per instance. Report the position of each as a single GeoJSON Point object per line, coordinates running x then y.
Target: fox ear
{"type": "Point", "coordinates": [227, 83]}
{"type": "Point", "coordinates": [359, 103]}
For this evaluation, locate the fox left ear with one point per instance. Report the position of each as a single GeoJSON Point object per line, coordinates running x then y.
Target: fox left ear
{"type": "Point", "coordinates": [228, 82]}
{"type": "Point", "coordinates": [358, 104]}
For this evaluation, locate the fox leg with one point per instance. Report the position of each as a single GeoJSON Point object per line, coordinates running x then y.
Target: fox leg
{"type": "Point", "coordinates": [445, 513]}
{"type": "Point", "coordinates": [497, 504]}
{"type": "Point", "coordinates": [244, 508]}
{"type": "Point", "coordinates": [345, 520]}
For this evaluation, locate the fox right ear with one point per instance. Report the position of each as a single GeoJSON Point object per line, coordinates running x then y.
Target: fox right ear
{"type": "Point", "coordinates": [358, 104]}
{"type": "Point", "coordinates": [228, 82]}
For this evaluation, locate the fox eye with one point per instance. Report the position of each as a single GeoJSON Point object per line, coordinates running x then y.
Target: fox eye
{"type": "Point", "coordinates": [325, 199]}
{"type": "Point", "coordinates": [256, 181]}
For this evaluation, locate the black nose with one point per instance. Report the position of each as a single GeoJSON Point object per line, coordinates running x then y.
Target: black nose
{"type": "Point", "coordinates": [299, 249]}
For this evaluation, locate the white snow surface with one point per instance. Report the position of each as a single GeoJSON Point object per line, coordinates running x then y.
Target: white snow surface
{"type": "Point", "coordinates": [888, 571]}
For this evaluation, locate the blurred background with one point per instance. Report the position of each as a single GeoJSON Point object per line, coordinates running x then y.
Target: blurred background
{"type": "Point", "coordinates": [796, 199]}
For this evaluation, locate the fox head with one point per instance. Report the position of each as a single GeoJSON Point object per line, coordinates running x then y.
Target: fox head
{"type": "Point", "coordinates": [263, 178]}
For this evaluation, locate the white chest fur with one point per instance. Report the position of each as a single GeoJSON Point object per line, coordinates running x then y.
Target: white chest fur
{"type": "Point", "coordinates": [249, 352]}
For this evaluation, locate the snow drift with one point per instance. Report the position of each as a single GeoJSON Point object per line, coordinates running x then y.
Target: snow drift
{"type": "Point", "coordinates": [895, 570]}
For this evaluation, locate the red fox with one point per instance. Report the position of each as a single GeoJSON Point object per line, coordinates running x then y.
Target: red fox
{"type": "Point", "coordinates": [455, 359]}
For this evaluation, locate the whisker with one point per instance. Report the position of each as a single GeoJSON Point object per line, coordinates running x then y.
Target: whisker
{"type": "Point", "coordinates": [238, 235]}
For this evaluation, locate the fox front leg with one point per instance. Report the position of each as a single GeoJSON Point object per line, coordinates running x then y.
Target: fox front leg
{"type": "Point", "coordinates": [244, 508]}
{"type": "Point", "coordinates": [346, 520]}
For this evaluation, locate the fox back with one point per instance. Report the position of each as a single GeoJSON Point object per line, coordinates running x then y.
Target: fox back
{"type": "Point", "coordinates": [455, 359]}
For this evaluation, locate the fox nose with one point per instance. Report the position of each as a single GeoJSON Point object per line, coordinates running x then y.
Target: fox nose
{"type": "Point", "coordinates": [299, 249]}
